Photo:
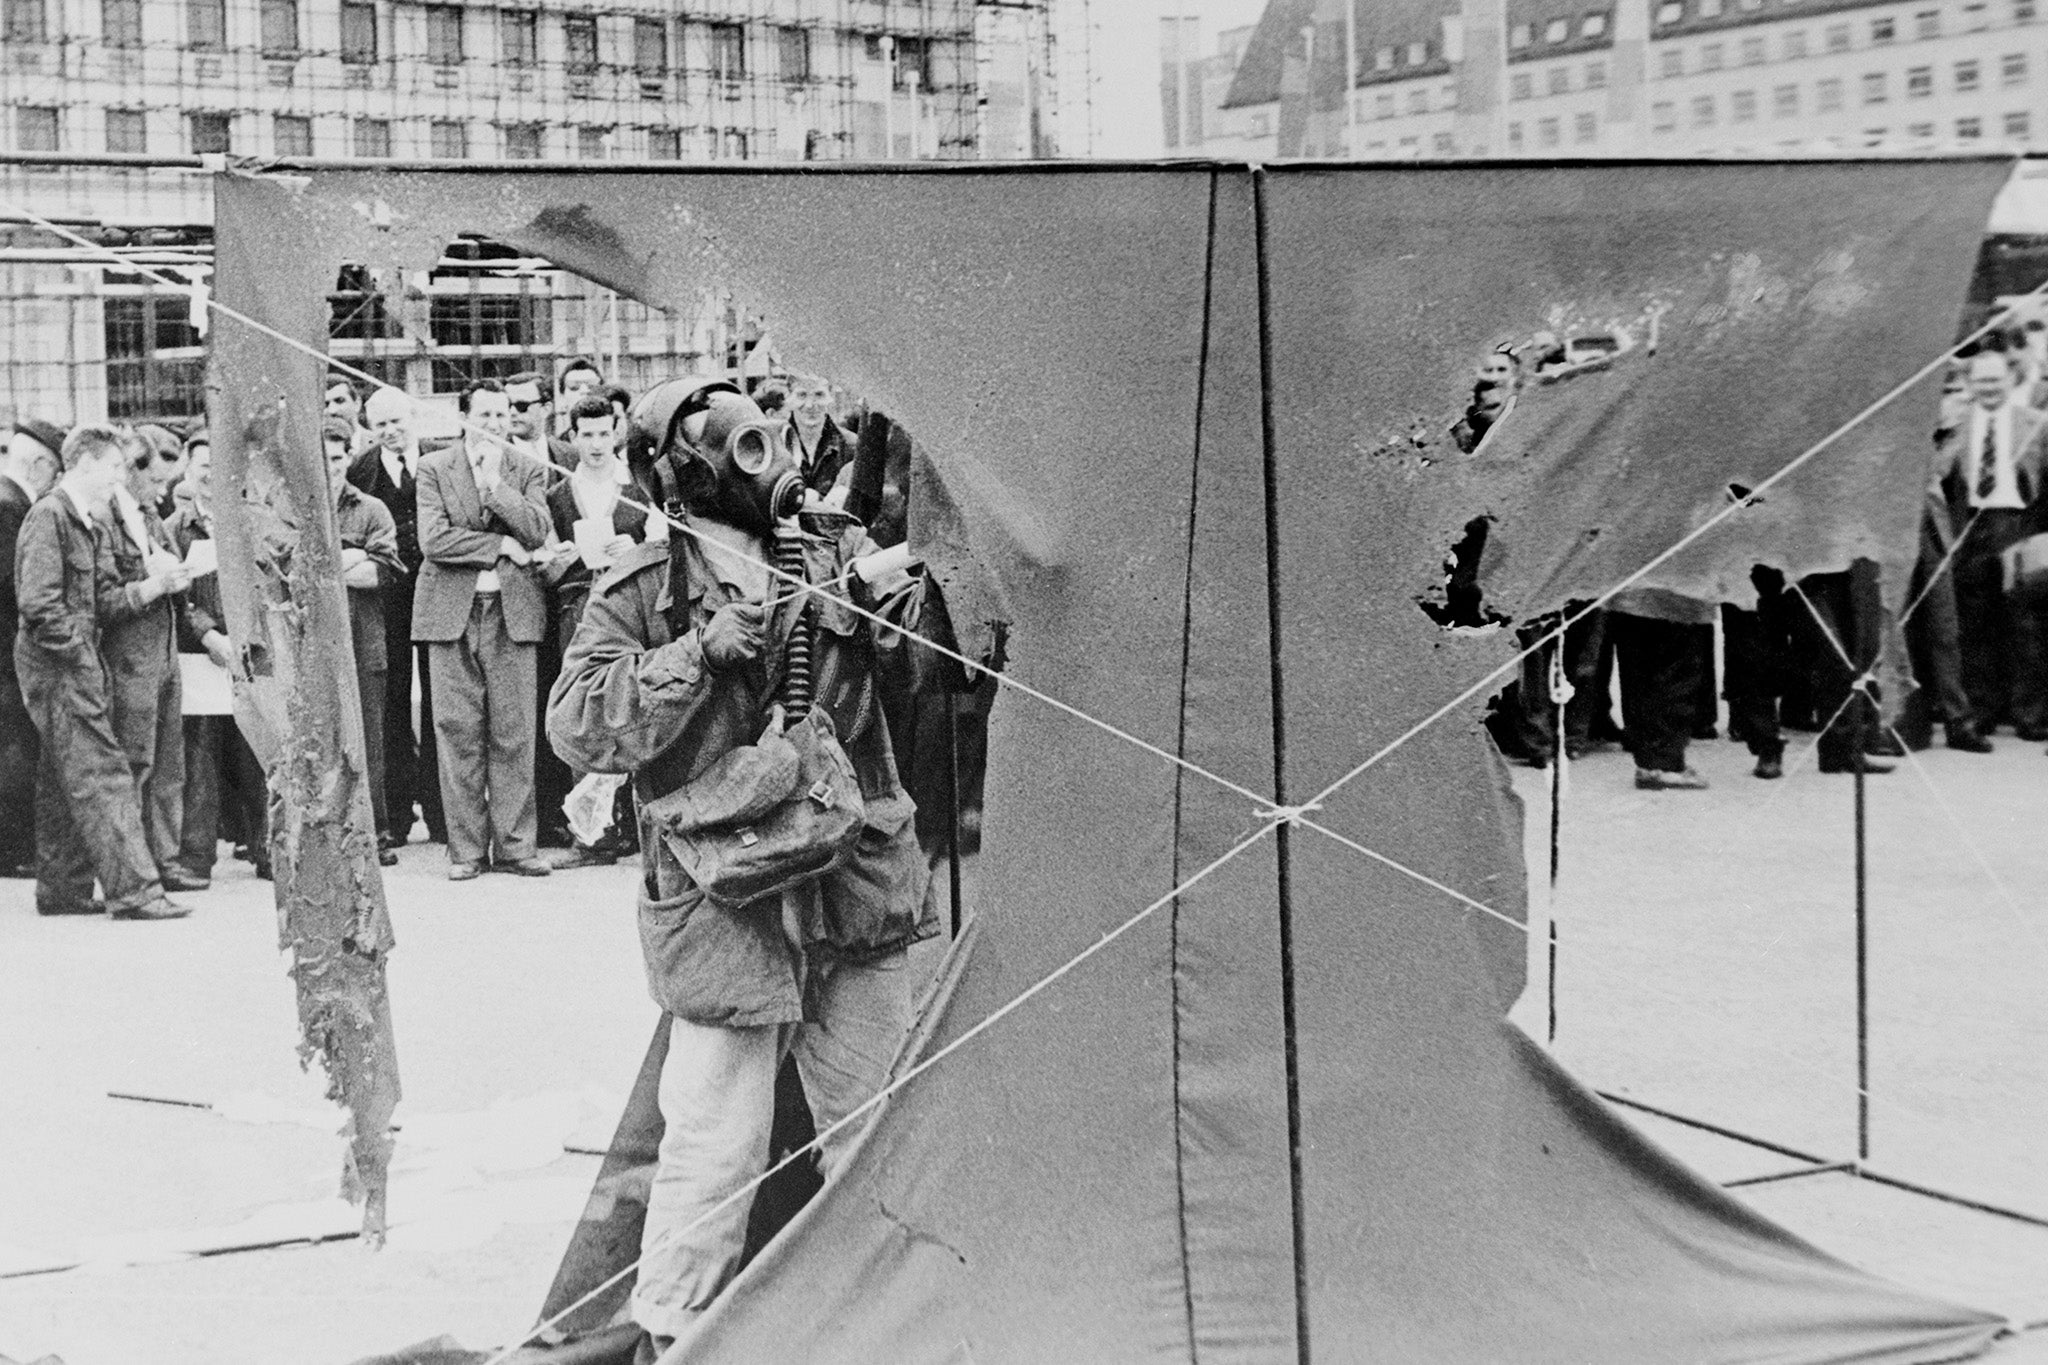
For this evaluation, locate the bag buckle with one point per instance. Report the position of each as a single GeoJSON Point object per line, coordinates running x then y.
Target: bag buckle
{"type": "Point", "coordinates": [821, 792]}
{"type": "Point", "coordinates": [748, 838]}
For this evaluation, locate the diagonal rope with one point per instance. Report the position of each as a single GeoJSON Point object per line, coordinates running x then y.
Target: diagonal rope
{"type": "Point", "coordinates": [1947, 558]}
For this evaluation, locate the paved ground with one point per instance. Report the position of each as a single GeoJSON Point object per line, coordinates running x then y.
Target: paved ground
{"type": "Point", "coordinates": [1707, 967]}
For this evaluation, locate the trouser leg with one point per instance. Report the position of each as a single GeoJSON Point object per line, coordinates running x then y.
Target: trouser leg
{"type": "Point", "coordinates": [427, 769]}
{"type": "Point", "coordinates": [245, 787]}
{"type": "Point", "coordinates": [1705, 702]}
{"type": "Point", "coordinates": [199, 835]}
{"type": "Point", "coordinates": [370, 693]}
{"type": "Point", "coordinates": [1659, 666]}
{"type": "Point", "coordinates": [1535, 713]}
{"type": "Point", "coordinates": [19, 751]}
{"type": "Point", "coordinates": [864, 1012]}
{"type": "Point", "coordinates": [1826, 629]}
{"type": "Point", "coordinates": [95, 782]}
{"type": "Point", "coordinates": [552, 780]}
{"type": "Point", "coordinates": [717, 1096]}
{"type": "Point", "coordinates": [508, 728]}
{"type": "Point", "coordinates": [1751, 671]}
{"type": "Point", "coordinates": [63, 863]}
{"type": "Point", "coordinates": [401, 749]}
{"type": "Point", "coordinates": [1584, 640]}
{"type": "Point", "coordinates": [459, 737]}
{"type": "Point", "coordinates": [163, 794]}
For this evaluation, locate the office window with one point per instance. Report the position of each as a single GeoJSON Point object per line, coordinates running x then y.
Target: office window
{"type": "Point", "coordinates": [1520, 86]}
{"type": "Point", "coordinates": [1383, 59]}
{"type": "Point", "coordinates": [794, 44]}
{"type": "Point", "coordinates": [1919, 82]}
{"type": "Point", "coordinates": [1742, 106]}
{"type": "Point", "coordinates": [121, 23]}
{"type": "Point", "coordinates": [1795, 45]}
{"type": "Point", "coordinates": [579, 43]}
{"type": "Point", "coordinates": [1518, 36]}
{"type": "Point", "coordinates": [1560, 81]}
{"type": "Point", "coordinates": [1447, 98]}
{"type": "Point", "coordinates": [448, 140]}
{"type": "Point", "coordinates": [1710, 9]}
{"type": "Point", "coordinates": [127, 131]}
{"type": "Point", "coordinates": [1671, 62]}
{"type": "Point", "coordinates": [1710, 57]}
{"type": "Point", "coordinates": [1585, 127]}
{"type": "Point", "coordinates": [650, 50]}
{"type": "Point", "coordinates": [358, 32]}
{"type": "Point", "coordinates": [292, 135]}
{"type": "Point", "coordinates": [728, 52]}
{"type": "Point", "coordinates": [209, 130]}
{"type": "Point", "coordinates": [1923, 132]}
{"type": "Point", "coordinates": [1557, 30]}
{"type": "Point", "coordinates": [1596, 75]}
{"type": "Point", "coordinates": [371, 137]}
{"type": "Point", "coordinates": [1548, 132]}
{"type": "Point", "coordinates": [735, 147]}
{"type": "Point", "coordinates": [1664, 116]}
{"type": "Point", "coordinates": [590, 143]}
{"type": "Point", "coordinates": [1873, 88]}
{"type": "Point", "coordinates": [1752, 51]}
{"type": "Point", "coordinates": [2023, 11]}
{"type": "Point", "coordinates": [1593, 25]}
{"type": "Point", "coordinates": [1418, 101]}
{"type": "Point", "coordinates": [665, 144]}
{"type": "Point", "coordinates": [444, 35]}
{"type": "Point", "coordinates": [278, 27]}
{"type": "Point", "coordinates": [1968, 76]}
{"type": "Point", "coordinates": [1873, 136]}
{"type": "Point", "coordinates": [1969, 129]}
{"type": "Point", "coordinates": [1785, 102]}
{"type": "Point", "coordinates": [1883, 30]}
{"type": "Point", "coordinates": [1670, 12]}
{"type": "Point", "coordinates": [35, 128]}
{"type": "Point", "coordinates": [24, 21]}
{"type": "Point", "coordinates": [1514, 138]}
{"type": "Point", "coordinates": [2016, 127]}
{"type": "Point", "coordinates": [1926, 23]}
{"type": "Point", "coordinates": [156, 364]}
{"type": "Point", "coordinates": [1383, 106]}
{"type": "Point", "coordinates": [1703, 111]}
{"type": "Point", "coordinates": [1418, 53]}
{"type": "Point", "coordinates": [206, 25]}
{"type": "Point", "coordinates": [1443, 144]}
{"type": "Point", "coordinates": [518, 37]}
{"type": "Point", "coordinates": [1828, 95]}
{"type": "Point", "coordinates": [522, 142]}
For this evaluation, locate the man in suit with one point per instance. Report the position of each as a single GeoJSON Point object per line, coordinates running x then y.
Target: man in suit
{"type": "Point", "coordinates": [1990, 471]}
{"type": "Point", "coordinates": [480, 608]}
{"type": "Point", "coordinates": [389, 472]}
{"type": "Point", "coordinates": [29, 471]}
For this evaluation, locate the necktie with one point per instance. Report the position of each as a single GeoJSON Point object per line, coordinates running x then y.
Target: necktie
{"type": "Point", "coordinates": [1987, 462]}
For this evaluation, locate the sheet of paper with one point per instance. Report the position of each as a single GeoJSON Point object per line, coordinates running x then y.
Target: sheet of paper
{"type": "Point", "coordinates": [207, 690]}
{"type": "Point", "coordinates": [202, 558]}
{"type": "Point", "coordinates": [592, 535]}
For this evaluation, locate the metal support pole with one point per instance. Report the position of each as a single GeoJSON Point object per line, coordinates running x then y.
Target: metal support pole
{"type": "Point", "coordinates": [1560, 695]}
{"type": "Point", "coordinates": [953, 779]}
{"type": "Point", "coordinates": [1862, 950]}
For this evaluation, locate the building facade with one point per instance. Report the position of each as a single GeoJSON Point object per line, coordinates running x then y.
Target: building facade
{"type": "Point", "coordinates": [625, 80]}
{"type": "Point", "coordinates": [1738, 78]}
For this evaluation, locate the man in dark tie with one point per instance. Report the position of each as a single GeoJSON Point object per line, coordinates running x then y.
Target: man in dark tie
{"type": "Point", "coordinates": [29, 471]}
{"type": "Point", "coordinates": [389, 471]}
{"type": "Point", "coordinates": [481, 610]}
{"type": "Point", "coordinates": [1990, 472]}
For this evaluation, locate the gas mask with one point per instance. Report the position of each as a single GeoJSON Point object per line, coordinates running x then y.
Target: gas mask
{"type": "Point", "coordinates": [744, 473]}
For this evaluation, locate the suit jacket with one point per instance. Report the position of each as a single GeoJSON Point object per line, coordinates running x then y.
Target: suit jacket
{"type": "Point", "coordinates": [2029, 425]}
{"type": "Point", "coordinates": [460, 535]}
{"type": "Point", "coordinates": [14, 503]}
{"type": "Point", "coordinates": [367, 472]}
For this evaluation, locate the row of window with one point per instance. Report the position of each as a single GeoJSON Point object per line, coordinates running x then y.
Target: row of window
{"type": "Point", "coordinates": [1557, 80]}
{"type": "Point", "coordinates": [1750, 51]}
{"type": "Point", "coordinates": [449, 42]}
{"type": "Point", "coordinates": [1926, 23]}
{"type": "Point", "coordinates": [1966, 76]}
{"type": "Point", "coordinates": [1593, 24]}
{"type": "Point", "coordinates": [1745, 106]}
{"type": "Point", "coordinates": [1550, 132]}
{"type": "Point", "coordinates": [38, 129]}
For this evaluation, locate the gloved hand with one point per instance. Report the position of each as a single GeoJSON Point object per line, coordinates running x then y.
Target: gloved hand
{"type": "Point", "coordinates": [733, 635]}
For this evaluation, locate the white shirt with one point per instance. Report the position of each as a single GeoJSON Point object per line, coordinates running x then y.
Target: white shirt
{"type": "Point", "coordinates": [1998, 423]}
{"type": "Point", "coordinates": [407, 460]}
{"type": "Point", "coordinates": [597, 494]}
{"type": "Point", "coordinates": [487, 580]}
{"type": "Point", "coordinates": [130, 513]}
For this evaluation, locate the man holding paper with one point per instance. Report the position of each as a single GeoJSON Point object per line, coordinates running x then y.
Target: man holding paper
{"type": "Point", "coordinates": [597, 520]}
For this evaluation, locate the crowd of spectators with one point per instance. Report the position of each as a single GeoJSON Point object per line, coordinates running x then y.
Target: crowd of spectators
{"type": "Point", "coordinates": [466, 562]}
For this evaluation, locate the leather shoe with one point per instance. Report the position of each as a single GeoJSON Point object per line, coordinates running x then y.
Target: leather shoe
{"type": "Point", "coordinates": [527, 867]}
{"type": "Point", "coordinates": [178, 879]}
{"type": "Point", "coordinates": [156, 909]}
{"type": "Point", "coordinates": [388, 841]}
{"type": "Point", "coordinates": [1872, 767]}
{"type": "Point", "coordinates": [464, 872]}
{"type": "Point", "coordinates": [1969, 741]}
{"type": "Point", "coordinates": [71, 907]}
{"type": "Point", "coordinates": [580, 855]}
{"type": "Point", "coordinates": [1884, 745]}
{"type": "Point", "coordinates": [2031, 733]}
{"type": "Point", "coordinates": [387, 857]}
{"type": "Point", "coordinates": [1657, 780]}
{"type": "Point", "coordinates": [1770, 766]}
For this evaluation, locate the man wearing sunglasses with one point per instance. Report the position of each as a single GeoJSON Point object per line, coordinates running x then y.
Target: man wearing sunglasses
{"type": "Point", "coordinates": [532, 421]}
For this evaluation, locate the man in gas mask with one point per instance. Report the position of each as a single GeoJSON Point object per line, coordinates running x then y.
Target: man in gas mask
{"type": "Point", "coordinates": [689, 658]}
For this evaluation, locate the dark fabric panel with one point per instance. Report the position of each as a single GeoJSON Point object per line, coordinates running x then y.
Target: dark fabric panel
{"type": "Point", "coordinates": [1233, 1097]}
{"type": "Point", "coordinates": [1465, 1201]}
